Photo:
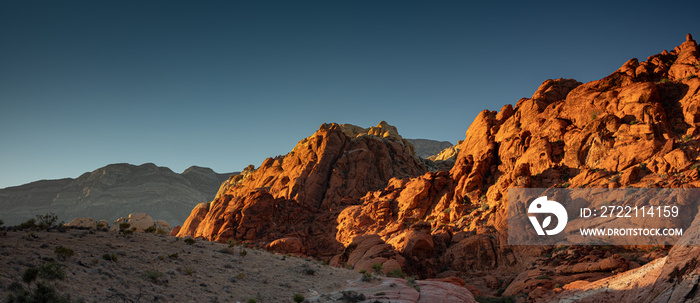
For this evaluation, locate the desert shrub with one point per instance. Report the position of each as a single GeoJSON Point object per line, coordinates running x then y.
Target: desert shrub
{"type": "Point", "coordinates": [352, 296]}
{"type": "Point", "coordinates": [152, 275]}
{"type": "Point", "coordinates": [411, 281]}
{"type": "Point", "coordinates": [189, 241]}
{"type": "Point", "coordinates": [63, 252]}
{"type": "Point", "coordinates": [366, 277]}
{"type": "Point", "coordinates": [298, 298]}
{"type": "Point", "coordinates": [2, 222]}
{"type": "Point", "coordinates": [377, 268]}
{"type": "Point", "coordinates": [42, 293]}
{"type": "Point", "coordinates": [52, 271]}
{"type": "Point", "coordinates": [30, 274]}
{"type": "Point", "coordinates": [151, 229]}
{"type": "Point", "coordinates": [110, 257]}
{"type": "Point", "coordinates": [231, 242]}
{"type": "Point", "coordinates": [308, 270]}
{"type": "Point", "coordinates": [124, 225]}
{"type": "Point", "coordinates": [47, 220]}
{"type": "Point", "coordinates": [173, 256]}
{"type": "Point", "coordinates": [252, 300]}
{"type": "Point", "coordinates": [128, 232]}
{"type": "Point", "coordinates": [29, 224]}
{"type": "Point", "coordinates": [396, 273]}
{"type": "Point", "coordinates": [243, 252]}
{"type": "Point", "coordinates": [161, 231]}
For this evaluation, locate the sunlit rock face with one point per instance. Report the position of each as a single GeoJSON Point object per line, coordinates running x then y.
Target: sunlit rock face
{"type": "Point", "coordinates": [360, 196]}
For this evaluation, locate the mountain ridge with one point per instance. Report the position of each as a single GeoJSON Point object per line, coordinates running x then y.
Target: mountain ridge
{"type": "Point", "coordinates": [113, 191]}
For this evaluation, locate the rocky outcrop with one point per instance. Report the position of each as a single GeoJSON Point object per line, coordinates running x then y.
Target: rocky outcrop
{"type": "Point", "coordinates": [637, 127]}
{"type": "Point", "coordinates": [300, 194]}
{"type": "Point", "coordinates": [141, 222]}
{"type": "Point", "coordinates": [113, 191]}
{"type": "Point", "coordinates": [360, 196]}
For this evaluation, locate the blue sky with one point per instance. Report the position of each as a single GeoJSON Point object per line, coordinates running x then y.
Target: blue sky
{"type": "Point", "coordinates": [224, 84]}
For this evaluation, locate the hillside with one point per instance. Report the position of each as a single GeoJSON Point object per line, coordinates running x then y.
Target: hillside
{"type": "Point", "coordinates": [357, 196]}
{"type": "Point", "coordinates": [113, 191]}
{"type": "Point", "coordinates": [425, 148]}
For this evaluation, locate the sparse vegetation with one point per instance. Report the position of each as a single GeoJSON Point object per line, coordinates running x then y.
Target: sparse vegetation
{"type": "Point", "coordinates": [615, 178]}
{"type": "Point", "coordinates": [173, 256]}
{"type": "Point", "coordinates": [161, 231]}
{"type": "Point", "coordinates": [124, 226]}
{"type": "Point", "coordinates": [152, 275]}
{"type": "Point", "coordinates": [252, 300]}
{"type": "Point", "coordinates": [110, 257]}
{"type": "Point", "coordinates": [377, 268]}
{"type": "Point", "coordinates": [41, 292]}
{"type": "Point", "coordinates": [544, 277]}
{"type": "Point", "coordinates": [366, 277]}
{"type": "Point", "coordinates": [396, 273]}
{"type": "Point", "coordinates": [298, 298]}
{"type": "Point", "coordinates": [47, 220]}
{"type": "Point", "coordinates": [243, 252]}
{"type": "Point", "coordinates": [63, 253]}
{"type": "Point", "coordinates": [189, 241]}
{"type": "Point", "coordinates": [350, 296]}
{"type": "Point", "coordinates": [150, 229]}
{"type": "Point", "coordinates": [411, 281]}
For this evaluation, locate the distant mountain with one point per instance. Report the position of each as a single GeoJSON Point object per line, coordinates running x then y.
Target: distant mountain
{"type": "Point", "coordinates": [425, 148]}
{"type": "Point", "coordinates": [114, 191]}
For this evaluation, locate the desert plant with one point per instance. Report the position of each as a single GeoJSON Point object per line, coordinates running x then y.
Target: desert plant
{"type": "Point", "coordinates": [544, 277]}
{"type": "Point", "coordinates": [47, 220]}
{"type": "Point", "coordinates": [366, 277]}
{"type": "Point", "coordinates": [150, 229]}
{"type": "Point", "coordinates": [29, 224]}
{"type": "Point", "coordinates": [377, 268]}
{"type": "Point", "coordinates": [124, 225]}
{"type": "Point", "coordinates": [243, 252]}
{"type": "Point", "coordinates": [41, 293]}
{"type": "Point", "coordinates": [308, 270]}
{"type": "Point", "coordinates": [252, 300]}
{"type": "Point", "coordinates": [189, 241]}
{"type": "Point", "coordinates": [128, 232]}
{"type": "Point", "coordinates": [161, 231]}
{"type": "Point", "coordinates": [298, 298]}
{"type": "Point", "coordinates": [52, 271]}
{"type": "Point", "coordinates": [152, 275]}
{"type": "Point", "coordinates": [350, 296]}
{"type": "Point", "coordinates": [615, 178]}
{"type": "Point", "coordinates": [396, 273]}
{"type": "Point", "coordinates": [110, 257]}
{"type": "Point", "coordinates": [173, 256]}
{"type": "Point", "coordinates": [2, 222]}
{"type": "Point", "coordinates": [411, 281]}
{"type": "Point", "coordinates": [63, 252]}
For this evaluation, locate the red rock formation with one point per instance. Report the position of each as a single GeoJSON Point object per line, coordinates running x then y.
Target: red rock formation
{"type": "Point", "coordinates": [300, 194]}
{"type": "Point", "coordinates": [362, 189]}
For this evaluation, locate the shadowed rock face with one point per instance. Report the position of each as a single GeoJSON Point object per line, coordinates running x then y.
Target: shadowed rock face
{"type": "Point", "coordinates": [111, 192]}
{"type": "Point", "coordinates": [637, 127]}
{"type": "Point", "coordinates": [426, 148]}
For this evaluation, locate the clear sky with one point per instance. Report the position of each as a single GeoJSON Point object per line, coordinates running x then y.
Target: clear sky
{"type": "Point", "coordinates": [224, 84]}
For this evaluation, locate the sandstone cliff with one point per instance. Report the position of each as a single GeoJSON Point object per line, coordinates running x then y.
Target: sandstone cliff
{"type": "Point", "coordinates": [111, 192]}
{"type": "Point", "coordinates": [371, 199]}
{"type": "Point", "coordinates": [299, 195]}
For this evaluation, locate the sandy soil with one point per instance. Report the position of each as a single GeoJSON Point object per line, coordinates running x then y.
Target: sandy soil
{"type": "Point", "coordinates": [201, 272]}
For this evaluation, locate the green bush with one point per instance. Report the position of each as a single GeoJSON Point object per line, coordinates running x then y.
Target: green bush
{"type": "Point", "coordinates": [42, 293]}
{"type": "Point", "coordinates": [377, 267]}
{"type": "Point", "coordinates": [189, 241]}
{"type": "Point", "coordinates": [47, 220]}
{"type": "Point", "coordinates": [124, 225]}
{"type": "Point", "coordinates": [243, 252]}
{"type": "Point", "coordinates": [110, 257]}
{"type": "Point", "coordinates": [63, 252]}
{"type": "Point", "coordinates": [151, 229]}
{"type": "Point", "coordinates": [52, 271]}
{"type": "Point", "coordinates": [397, 273]}
{"type": "Point", "coordinates": [298, 298]}
{"type": "Point", "coordinates": [152, 275]}
{"type": "Point", "coordinates": [161, 231]}
{"type": "Point", "coordinates": [29, 224]}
